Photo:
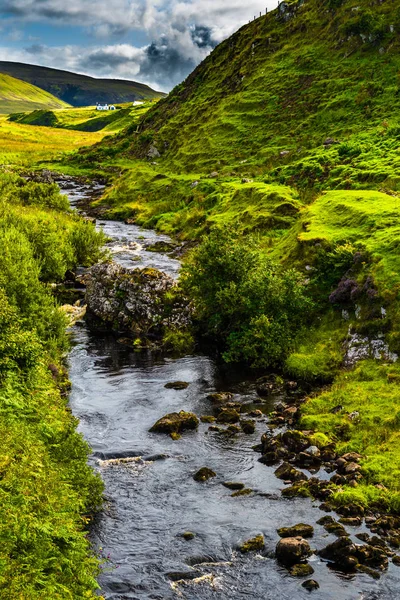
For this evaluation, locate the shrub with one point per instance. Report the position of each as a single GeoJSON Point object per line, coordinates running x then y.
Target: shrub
{"type": "Point", "coordinates": [249, 305]}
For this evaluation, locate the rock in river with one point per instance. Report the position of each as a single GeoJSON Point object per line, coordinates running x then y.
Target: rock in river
{"type": "Point", "coordinates": [177, 385]}
{"type": "Point", "coordinates": [176, 423]}
{"type": "Point", "coordinates": [291, 551]}
{"type": "Point", "coordinates": [204, 474]}
{"type": "Point", "coordinates": [256, 543]}
{"type": "Point", "coordinates": [301, 529]}
{"type": "Point", "coordinates": [139, 301]}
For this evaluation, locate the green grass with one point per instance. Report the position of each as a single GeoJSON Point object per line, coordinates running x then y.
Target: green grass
{"type": "Point", "coordinates": [26, 145]}
{"type": "Point", "coordinates": [372, 389]}
{"type": "Point", "coordinates": [19, 96]}
{"type": "Point", "coordinates": [48, 493]}
{"type": "Point", "coordinates": [84, 119]}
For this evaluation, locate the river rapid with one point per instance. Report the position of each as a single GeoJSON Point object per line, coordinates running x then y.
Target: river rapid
{"type": "Point", "coordinates": [118, 394]}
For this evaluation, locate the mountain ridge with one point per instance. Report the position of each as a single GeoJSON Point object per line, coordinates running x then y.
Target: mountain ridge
{"type": "Point", "coordinates": [19, 96]}
{"type": "Point", "coordinates": [76, 89]}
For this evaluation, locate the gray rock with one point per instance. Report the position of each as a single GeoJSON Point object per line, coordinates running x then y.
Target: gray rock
{"type": "Point", "coordinates": [133, 300]}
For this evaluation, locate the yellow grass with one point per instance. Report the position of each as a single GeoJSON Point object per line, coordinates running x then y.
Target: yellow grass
{"type": "Point", "coordinates": [23, 145]}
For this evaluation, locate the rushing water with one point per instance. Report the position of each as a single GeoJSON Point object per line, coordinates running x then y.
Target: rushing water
{"type": "Point", "coordinates": [151, 501]}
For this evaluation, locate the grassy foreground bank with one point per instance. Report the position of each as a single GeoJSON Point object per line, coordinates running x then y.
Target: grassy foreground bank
{"type": "Point", "coordinates": [47, 491]}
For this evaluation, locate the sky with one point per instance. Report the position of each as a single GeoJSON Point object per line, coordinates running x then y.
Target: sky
{"type": "Point", "coordinates": [158, 43]}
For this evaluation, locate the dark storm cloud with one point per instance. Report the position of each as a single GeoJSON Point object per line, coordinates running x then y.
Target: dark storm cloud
{"type": "Point", "coordinates": [180, 32]}
{"type": "Point", "coordinates": [202, 36]}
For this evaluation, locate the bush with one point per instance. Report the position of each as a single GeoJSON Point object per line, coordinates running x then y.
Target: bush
{"type": "Point", "coordinates": [249, 305]}
{"type": "Point", "coordinates": [47, 489]}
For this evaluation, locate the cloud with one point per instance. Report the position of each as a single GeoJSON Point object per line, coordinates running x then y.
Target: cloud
{"type": "Point", "coordinates": [181, 34]}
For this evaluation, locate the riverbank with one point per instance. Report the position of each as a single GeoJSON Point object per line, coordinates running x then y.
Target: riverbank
{"type": "Point", "coordinates": [48, 493]}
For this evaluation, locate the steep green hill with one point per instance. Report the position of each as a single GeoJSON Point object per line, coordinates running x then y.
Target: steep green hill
{"type": "Point", "coordinates": [290, 130]}
{"type": "Point", "coordinates": [79, 90]}
{"type": "Point", "coordinates": [18, 96]}
{"type": "Point", "coordinates": [308, 71]}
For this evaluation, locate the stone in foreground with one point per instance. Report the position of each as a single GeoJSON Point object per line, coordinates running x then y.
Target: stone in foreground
{"type": "Point", "coordinates": [291, 551]}
{"type": "Point", "coordinates": [176, 423]}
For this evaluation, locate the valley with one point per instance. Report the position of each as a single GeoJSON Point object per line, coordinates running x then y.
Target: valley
{"type": "Point", "coordinates": [252, 221]}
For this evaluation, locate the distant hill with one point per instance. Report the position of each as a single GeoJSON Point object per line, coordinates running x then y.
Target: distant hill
{"type": "Point", "coordinates": [79, 90]}
{"type": "Point", "coordinates": [19, 96]}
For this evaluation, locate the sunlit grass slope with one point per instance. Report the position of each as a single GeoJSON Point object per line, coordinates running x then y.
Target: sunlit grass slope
{"type": "Point", "coordinates": [18, 96]}
{"type": "Point", "coordinates": [86, 118]}
{"type": "Point", "coordinates": [24, 145]}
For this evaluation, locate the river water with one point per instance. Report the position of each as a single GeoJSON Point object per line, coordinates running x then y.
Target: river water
{"type": "Point", "coordinates": [118, 394]}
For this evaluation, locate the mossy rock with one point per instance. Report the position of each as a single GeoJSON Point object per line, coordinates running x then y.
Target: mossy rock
{"type": "Point", "coordinates": [188, 536]}
{"type": "Point", "coordinates": [207, 419]}
{"type": "Point", "coordinates": [204, 474]}
{"type": "Point", "coordinates": [177, 385]}
{"type": "Point", "coordinates": [176, 423]}
{"type": "Point", "coordinates": [233, 429]}
{"type": "Point", "coordinates": [287, 472]}
{"type": "Point", "coordinates": [228, 416]}
{"type": "Point", "coordinates": [254, 545]}
{"type": "Point", "coordinates": [301, 570]}
{"type": "Point", "coordinates": [299, 490]}
{"type": "Point", "coordinates": [301, 529]}
{"type": "Point", "coordinates": [245, 492]}
{"type": "Point", "coordinates": [332, 526]}
{"type": "Point", "coordinates": [220, 397]}
{"type": "Point", "coordinates": [310, 585]}
{"type": "Point", "coordinates": [233, 485]}
{"type": "Point", "coordinates": [248, 426]}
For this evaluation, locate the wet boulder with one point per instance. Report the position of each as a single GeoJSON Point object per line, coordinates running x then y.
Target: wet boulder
{"type": "Point", "coordinates": [291, 551]}
{"type": "Point", "coordinates": [301, 570]}
{"type": "Point", "coordinates": [248, 426]}
{"type": "Point", "coordinates": [299, 530]}
{"type": "Point", "coordinates": [342, 553]}
{"type": "Point", "coordinates": [289, 473]}
{"type": "Point", "coordinates": [177, 385]}
{"type": "Point", "coordinates": [175, 423]}
{"type": "Point", "coordinates": [228, 416]}
{"type": "Point", "coordinates": [234, 485]}
{"type": "Point", "coordinates": [310, 585]}
{"type": "Point", "coordinates": [255, 544]}
{"type": "Point", "coordinates": [204, 474]}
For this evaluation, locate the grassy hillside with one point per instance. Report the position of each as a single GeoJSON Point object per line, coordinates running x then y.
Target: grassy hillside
{"type": "Point", "coordinates": [25, 145]}
{"type": "Point", "coordinates": [85, 119]}
{"type": "Point", "coordinates": [79, 90]}
{"type": "Point", "coordinates": [18, 96]}
{"type": "Point", "coordinates": [289, 131]}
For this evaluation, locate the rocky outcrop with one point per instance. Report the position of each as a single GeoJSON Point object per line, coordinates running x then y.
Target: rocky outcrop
{"type": "Point", "coordinates": [142, 302]}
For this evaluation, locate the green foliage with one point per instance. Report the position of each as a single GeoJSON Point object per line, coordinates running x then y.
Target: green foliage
{"type": "Point", "coordinates": [47, 489]}
{"type": "Point", "coordinates": [372, 390]}
{"type": "Point", "coordinates": [244, 301]}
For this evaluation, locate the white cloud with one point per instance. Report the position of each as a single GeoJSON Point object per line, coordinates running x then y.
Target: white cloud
{"type": "Point", "coordinates": [183, 33]}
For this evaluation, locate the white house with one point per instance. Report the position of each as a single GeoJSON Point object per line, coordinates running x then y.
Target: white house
{"type": "Point", "coordinates": [105, 107]}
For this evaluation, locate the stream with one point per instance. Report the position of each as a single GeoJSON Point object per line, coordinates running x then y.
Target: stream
{"type": "Point", "coordinates": [118, 394]}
